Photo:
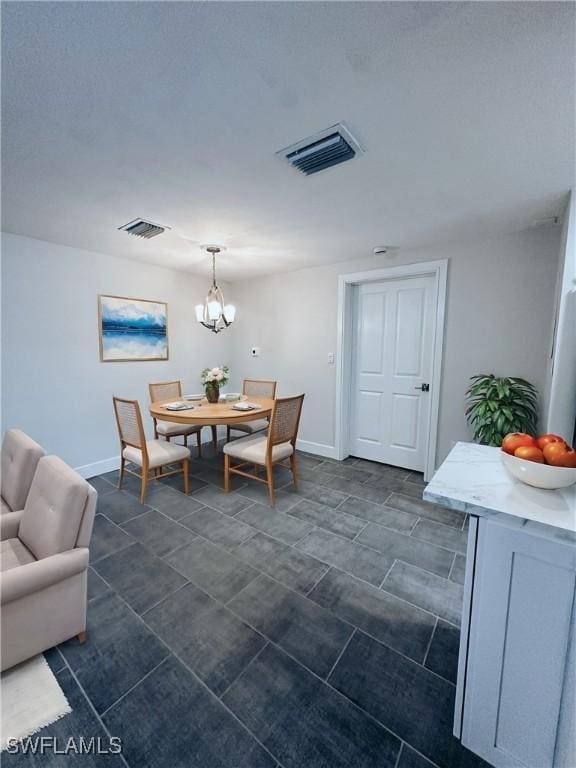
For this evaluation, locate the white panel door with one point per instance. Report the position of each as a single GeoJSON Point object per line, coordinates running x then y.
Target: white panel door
{"type": "Point", "coordinates": [392, 367]}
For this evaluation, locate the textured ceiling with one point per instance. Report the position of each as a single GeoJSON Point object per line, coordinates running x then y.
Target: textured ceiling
{"type": "Point", "coordinates": [174, 112]}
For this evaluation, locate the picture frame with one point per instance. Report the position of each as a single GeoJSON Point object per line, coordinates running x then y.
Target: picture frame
{"type": "Point", "coordinates": [132, 330]}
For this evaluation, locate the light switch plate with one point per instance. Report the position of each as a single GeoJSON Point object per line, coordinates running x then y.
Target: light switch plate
{"type": "Point", "coordinates": [330, 358]}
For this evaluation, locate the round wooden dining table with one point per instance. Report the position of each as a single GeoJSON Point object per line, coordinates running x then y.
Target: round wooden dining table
{"type": "Point", "coordinates": [212, 414]}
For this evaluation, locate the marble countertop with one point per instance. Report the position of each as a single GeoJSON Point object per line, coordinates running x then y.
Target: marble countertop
{"type": "Point", "coordinates": [473, 479]}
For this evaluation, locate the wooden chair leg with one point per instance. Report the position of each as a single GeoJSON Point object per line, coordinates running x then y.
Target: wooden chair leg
{"type": "Point", "coordinates": [144, 484]}
{"type": "Point", "coordinates": [270, 481]}
{"type": "Point", "coordinates": [228, 433]}
{"type": "Point", "coordinates": [81, 637]}
{"type": "Point", "coordinates": [199, 443]}
{"type": "Point", "coordinates": [121, 477]}
{"type": "Point", "coordinates": [186, 440]}
{"type": "Point", "coordinates": [167, 438]}
{"type": "Point", "coordinates": [185, 465]}
{"type": "Point", "coordinates": [214, 438]}
{"type": "Point", "coordinates": [294, 470]}
{"type": "Point", "coordinates": [227, 473]}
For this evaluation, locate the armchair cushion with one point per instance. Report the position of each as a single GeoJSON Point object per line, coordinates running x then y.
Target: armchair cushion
{"type": "Point", "coordinates": [20, 456]}
{"type": "Point", "coordinates": [9, 525]}
{"type": "Point", "coordinates": [13, 553]}
{"type": "Point", "coordinates": [40, 574]}
{"type": "Point", "coordinates": [54, 509]}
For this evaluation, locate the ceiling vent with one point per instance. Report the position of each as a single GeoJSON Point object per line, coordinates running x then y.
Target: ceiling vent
{"type": "Point", "coordinates": [142, 228]}
{"type": "Point", "coordinates": [329, 147]}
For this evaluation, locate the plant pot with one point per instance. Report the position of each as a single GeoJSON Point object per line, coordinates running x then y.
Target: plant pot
{"type": "Point", "coordinates": [212, 393]}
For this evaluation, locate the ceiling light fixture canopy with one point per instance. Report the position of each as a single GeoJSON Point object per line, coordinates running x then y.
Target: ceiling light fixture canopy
{"type": "Point", "coordinates": [214, 314]}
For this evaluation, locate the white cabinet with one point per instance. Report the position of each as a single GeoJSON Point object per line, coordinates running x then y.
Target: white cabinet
{"type": "Point", "coordinates": [516, 697]}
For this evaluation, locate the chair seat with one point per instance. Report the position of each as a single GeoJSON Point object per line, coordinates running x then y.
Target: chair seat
{"type": "Point", "coordinates": [251, 426]}
{"type": "Point", "coordinates": [13, 553]}
{"type": "Point", "coordinates": [253, 449]}
{"type": "Point", "coordinates": [170, 428]}
{"type": "Point", "coordinates": [4, 506]}
{"type": "Point", "coordinates": [159, 452]}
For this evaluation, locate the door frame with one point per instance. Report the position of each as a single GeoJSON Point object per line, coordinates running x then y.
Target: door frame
{"type": "Point", "coordinates": [346, 283]}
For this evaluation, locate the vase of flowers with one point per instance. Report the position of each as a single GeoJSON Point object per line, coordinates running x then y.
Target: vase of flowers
{"type": "Point", "coordinates": [213, 379]}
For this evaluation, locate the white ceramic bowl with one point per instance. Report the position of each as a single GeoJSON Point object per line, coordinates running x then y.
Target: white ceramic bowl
{"type": "Point", "coordinates": [538, 475]}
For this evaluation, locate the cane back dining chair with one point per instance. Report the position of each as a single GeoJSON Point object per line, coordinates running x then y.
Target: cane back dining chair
{"type": "Point", "coordinates": [267, 450]}
{"type": "Point", "coordinates": [146, 454]}
{"type": "Point", "coordinates": [165, 390]}
{"type": "Point", "coordinates": [254, 388]}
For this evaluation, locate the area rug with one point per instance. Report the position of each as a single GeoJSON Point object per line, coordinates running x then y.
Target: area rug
{"type": "Point", "coordinates": [30, 699]}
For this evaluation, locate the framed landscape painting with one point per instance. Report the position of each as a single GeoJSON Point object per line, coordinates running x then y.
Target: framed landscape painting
{"type": "Point", "coordinates": [132, 329]}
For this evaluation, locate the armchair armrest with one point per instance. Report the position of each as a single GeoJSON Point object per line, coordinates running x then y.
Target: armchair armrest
{"type": "Point", "coordinates": [9, 525]}
{"type": "Point", "coordinates": [32, 577]}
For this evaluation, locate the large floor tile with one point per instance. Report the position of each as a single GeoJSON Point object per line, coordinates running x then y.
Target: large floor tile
{"type": "Point", "coordinates": [409, 758]}
{"type": "Point", "coordinates": [257, 492]}
{"type": "Point", "coordinates": [302, 628]}
{"type": "Point", "coordinates": [379, 513]}
{"type": "Point", "coordinates": [425, 509]}
{"type": "Point", "coordinates": [107, 538]}
{"type": "Point", "coordinates": [393, 621]}
{"type": "Point", "coordinates": [360, 561]}
{"type": "Point", "coordinates": [320, 493]}
{"type": "Point", "coordinates": [433, 593]}
{"type": "Point", "coordinates": [442, 656]}
{"type": "Point", "coordinates": [218, 527]}
{"type": "Point", "coordinates": [81, 722]}
{"type": "Point", "coordinates": [214, 570]}
{"type": "Point", "coordinates": [208, 638]}
{"type": "Point", "coordinates": [171, 720]}
{"type": "Point", "coordinates": [229, 503]}
{"type": "Point", "coordinates": [415, 704]}
{"type": "Point", "coordinates": [303, 722]}
{"type": "Point", "coordinates": [365, 492]}
{"type": "Point", "coordinates": [274, 523]}
{"type": "Point", "coordinates": [172, 503]}
{"type": "Point", "coordinates": [286, 564]}
{"type": "Point", "coordinates": [102, 485]}
{"type": "Point", "coordinates": [120, 506]}
{"type": "Point", "coordinates": [351, 472]}
{"type": "Point", "coordinates": [316, 475]}
{"type": "Point", "coordinates": [398, 546]}
{"type": "Point", "coordinates": [458, 569]}
{"type": "Point", "coordinates": [118, 652]}
{"type": "Point", "coordinates": [158, 534]}
{"type": "Point", "coordinates": [139, 577]}
{"type": "Point", "coordinates": [96, 585]}
{"type": "Point", "coordinates": [442, 535]}
{"type": "Point", "coordinates": [328, 518]}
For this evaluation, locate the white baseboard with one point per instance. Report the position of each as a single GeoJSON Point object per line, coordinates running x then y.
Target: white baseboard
{"type": "Point", "coordinates": [99, 467]}
{"type": "Point", "coordinates": [318, 449]}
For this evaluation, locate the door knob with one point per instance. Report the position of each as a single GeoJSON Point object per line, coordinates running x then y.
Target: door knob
{"type": "Point", "coordinates": [424, 387]}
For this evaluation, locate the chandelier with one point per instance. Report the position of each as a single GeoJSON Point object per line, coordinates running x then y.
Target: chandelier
{"type": "Point", "coordinates": [214, 314]}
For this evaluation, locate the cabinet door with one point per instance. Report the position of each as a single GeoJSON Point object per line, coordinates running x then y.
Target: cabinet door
{"type": "Point", "coordinates": [519, 696]}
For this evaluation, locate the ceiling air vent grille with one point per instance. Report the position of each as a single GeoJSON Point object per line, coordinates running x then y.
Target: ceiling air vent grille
{"type": "Point", "coordinates": [329, 147]}
{"type": "Point", "coordinates": [142, 228]}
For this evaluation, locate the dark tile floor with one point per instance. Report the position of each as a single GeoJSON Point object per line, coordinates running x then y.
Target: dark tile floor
{"type": "Point", "coordinates": [322, 633]}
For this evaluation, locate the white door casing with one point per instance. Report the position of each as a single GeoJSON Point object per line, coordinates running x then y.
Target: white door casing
{"type": "Point", "coordinates": [393, 335]}
{"type": "Point", "coordinates": [438, 271]}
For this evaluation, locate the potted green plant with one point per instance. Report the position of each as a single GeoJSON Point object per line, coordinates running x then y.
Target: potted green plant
{"type": "Point", "coordinates": [499, 405]}
{"type": "Point", "coordinates": [213, 379]}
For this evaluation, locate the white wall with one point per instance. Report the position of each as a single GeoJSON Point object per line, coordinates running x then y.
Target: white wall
{"type": "Point", "coordinates": [499, 312]}
{"type": "Point", "coordinates": [54, 386]}
{"type": "Point", "coordinates": [561, 417]}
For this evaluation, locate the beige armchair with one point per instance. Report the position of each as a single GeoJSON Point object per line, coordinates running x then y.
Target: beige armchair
{"type": "Point", "coordinates": [20, 457]}
{"type": "Point", "coordinates": [44, 562]}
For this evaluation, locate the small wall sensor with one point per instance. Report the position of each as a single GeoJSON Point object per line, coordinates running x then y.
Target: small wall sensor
{"type": "Point", "coordinates": [255, 352]}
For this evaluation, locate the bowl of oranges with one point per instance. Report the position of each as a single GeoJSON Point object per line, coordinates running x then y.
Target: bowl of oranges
{"type": "Point", "coordinates": [547, 461]}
